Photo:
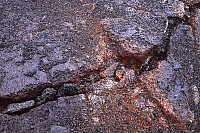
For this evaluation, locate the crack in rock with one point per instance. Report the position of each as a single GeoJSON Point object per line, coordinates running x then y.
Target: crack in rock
{"type": "Point", "coordinates": [132, 49]}
{"type": "Point", "coordinates": [48, 94]}
{"type": "Point", "coordinates": [131, 56]}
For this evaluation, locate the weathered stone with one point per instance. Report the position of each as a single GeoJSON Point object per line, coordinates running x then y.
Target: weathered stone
{"type": "Point", "coordinates": [56, 115]}
{"type": "Point", "coordinates": [69, 90]}
{"type": "Point", "coordinates": [90, 113]}
{"type": "Point", "coordinates": [48, 94]}
{"type": "Point", "coordinates": [46, 43]}
{"type": "Point", "coordinates": [134, 35]}
{"type": "Point", "coordinates": [143, 34]}
{"type": "Point", "coordinates": [175, 76]}
{"type": "Point", "coordinates": [17, 107]}
{"type": "Point", "coordinates": [40, 48]}
{"type": "Point", "coordinates": [59, 129]}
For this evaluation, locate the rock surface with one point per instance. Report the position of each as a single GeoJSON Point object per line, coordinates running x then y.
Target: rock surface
{"type": "Point", "coordinates": [48, 94]}
{"type": "Point", "coordinates": [59, 129]}
{"type": "Point", "coordinates": [74, 47]}
{"type": "Point", "coordinates": [69, 90]}
{"type": "Point", "coordinates": [42, 45]}
{"type": "Point", "coordinates": [17, 107]}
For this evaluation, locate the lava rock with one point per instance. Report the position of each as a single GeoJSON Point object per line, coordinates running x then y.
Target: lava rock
{"type": "Point", "coordinates": [60, 38]}
{"type": "Point", "coordinates": [48, 94]}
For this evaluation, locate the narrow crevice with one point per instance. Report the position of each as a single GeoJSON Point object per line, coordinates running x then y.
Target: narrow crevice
{"type": "Point", "coordinates": [190, 18]}
{"type": "Point", "coordinates": [147, 60]}
{"type": "Point", "coordinates": [160, 52]}
{"type": "Point", "coordinates": [33, 92]}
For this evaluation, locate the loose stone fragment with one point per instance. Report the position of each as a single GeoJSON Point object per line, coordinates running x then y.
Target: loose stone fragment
{"type": "Point", "coordinates": [48, 94]}
{"type": "Point", "coordinates": [128, 77]}
{"type": "Point", "coordinates": [69, 90]}
{"type": "Point", "coordinates": [102, 74]}
{"type": "Point", "coordinates": [120, 72]}
{"type": "Point", "coordinates": [17, 107]}
{"type": "Point", "coordinates": [118, 75]}
{"type": "Point", "coordinates": [109, 72]}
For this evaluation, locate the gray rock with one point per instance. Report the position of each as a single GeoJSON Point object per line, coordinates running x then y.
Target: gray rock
{"type": "Point", "coordinates": [139, 34]}
{"type": "Point", "coordinates": [53, 116]}
{"type": "Point", "coordinates": [48, 94]}
{"type": "Point", "coordinates": [184, 51]}
{"type": "Point", "coordinates": [17, 107]}
{"type": "Point", "coordinates": [59, 129]}
{"type": "Point", "coordinates": [136, 36]}
{"type": "Point", "coordinates": [69, 90]}
{"type": "Point", "coordinates": [179, 74]}
{"type": "Point", "coordinates": [39, 48]}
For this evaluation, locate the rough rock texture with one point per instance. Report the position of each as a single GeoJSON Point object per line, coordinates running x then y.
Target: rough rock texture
{"type": "Point", "coordinates": [140, 35]}
{"type": "Point", "coordinates": [48, 94]}
{"type": "Point", "coordinates": [136, 64]}
{"type": "Point", "coordinates": [17, 107]}
{"type": "Point", "coordinates": [42, 44]}
{"type": "Point", "coordinates": [69, 90]}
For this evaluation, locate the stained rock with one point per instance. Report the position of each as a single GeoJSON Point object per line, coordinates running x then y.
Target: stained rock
{"type": "Point", "coordinates": [102, 86]}
{"type": "Point", "coordinates": [139, 35]}
{"type": "Point", "coordinates": [46, 43]}
{"type": "Point", "coordinates": [176, 81]}
{"type": "Point", "coordinates": [109, 72]}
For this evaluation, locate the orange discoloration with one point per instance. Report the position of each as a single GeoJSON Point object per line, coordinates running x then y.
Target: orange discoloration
{"type": "Point", "coordinates": [102, 74]}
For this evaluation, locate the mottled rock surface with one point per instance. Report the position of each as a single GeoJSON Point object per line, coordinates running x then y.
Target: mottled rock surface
{"type": "Point", "coordinates": [73, 47]}
{"type": "Point", "coordinates": [17, 107]}
{"type": "Point", "coordinates": [48, 94]}
{"type": "Point", "coordinates": [43, 44]}
{"type": "Point", "coordinates": [69, 90]}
